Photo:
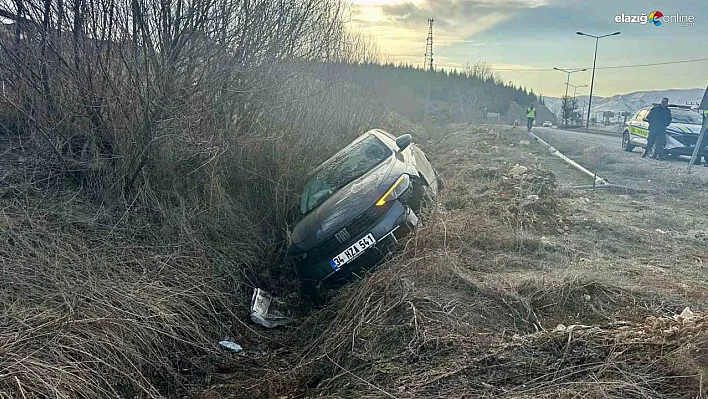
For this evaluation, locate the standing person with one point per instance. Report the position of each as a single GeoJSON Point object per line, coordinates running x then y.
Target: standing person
{"type": "Point", "coordinates": [659, 118]}
{"type": "Point", "coordinates": [530, 116]}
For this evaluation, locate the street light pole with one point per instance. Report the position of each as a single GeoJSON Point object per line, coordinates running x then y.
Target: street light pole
{"type": "Point", "coordinates": [573, 103]}
{"type": "Point", "coordinates": [567, 83]}
{"type": "Point", "coordinates": [592, 79]}
{"type": "Point", "coordinates": [592, 83]}
{"type": "Point", "coordinates": [576, 89]}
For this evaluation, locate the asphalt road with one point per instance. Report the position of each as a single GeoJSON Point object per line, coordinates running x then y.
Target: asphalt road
{"type": "Point", "coordinates": [561, 139]}
{"type": "Point", "coordinates": [604, 154]}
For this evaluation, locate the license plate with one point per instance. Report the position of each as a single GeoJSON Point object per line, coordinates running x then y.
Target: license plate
{"type": "Point", "coordinates": [352, 252]}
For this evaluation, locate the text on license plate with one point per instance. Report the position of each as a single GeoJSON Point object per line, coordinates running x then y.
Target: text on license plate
{"type": "Point", "coordinates": [352, 252]}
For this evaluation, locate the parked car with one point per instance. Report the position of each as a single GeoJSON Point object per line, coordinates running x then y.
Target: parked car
{"type": "Point", "coordinates": [547, 124]}
{"type": "Point", "coordinates": [681, 134]}
{"type": "Point", "coordinates": [358, 205]}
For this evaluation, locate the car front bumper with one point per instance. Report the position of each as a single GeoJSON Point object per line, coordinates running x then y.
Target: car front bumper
{"type": "Point", "coordinates": [683, 144]}
{"type": "Point", "coordinates": [398, 222]}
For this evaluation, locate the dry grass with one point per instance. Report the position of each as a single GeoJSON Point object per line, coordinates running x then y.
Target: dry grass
{"type": "Point", "coordinates": [94, 308]}
{"type": "Point", "coordinates": [472, 307]}
{"type": "Point", "coordinates": [88, 308]}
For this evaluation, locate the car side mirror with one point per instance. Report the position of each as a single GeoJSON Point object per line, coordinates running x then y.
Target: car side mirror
{"type": "Point", "coordinates": [403, 141]}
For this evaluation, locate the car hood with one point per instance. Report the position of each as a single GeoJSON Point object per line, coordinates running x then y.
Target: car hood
{"type": "Point", "coordinates": [345, 204]}
{"type": "Point", "coordinates": [684, 128]}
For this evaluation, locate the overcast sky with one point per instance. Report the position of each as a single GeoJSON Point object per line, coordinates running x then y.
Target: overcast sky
{"type": "Point", "coordinates": [537, 34]}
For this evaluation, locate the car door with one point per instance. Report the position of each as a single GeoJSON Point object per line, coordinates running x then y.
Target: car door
{"type": "Point", "coordinates": [638, 128]}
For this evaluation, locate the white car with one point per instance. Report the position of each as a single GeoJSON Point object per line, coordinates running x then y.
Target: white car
{"type": "Point", "coordinates": [547, 124]}
{"type": "Point", "coordinates": [681, 134]}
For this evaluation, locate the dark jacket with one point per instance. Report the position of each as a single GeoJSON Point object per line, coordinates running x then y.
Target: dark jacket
{"type": "Point", "coordinates": [659, 118]}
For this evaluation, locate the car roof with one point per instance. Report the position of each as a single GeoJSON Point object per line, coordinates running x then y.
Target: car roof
{"type": "Point", "coordinates": [672, 106]}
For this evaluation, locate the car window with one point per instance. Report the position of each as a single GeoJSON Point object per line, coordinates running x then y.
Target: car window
{"type": "Point", "coordinates": [685, 116]}
{"type": "Point", "coordinates": [641, 114]}
{"type": "Point", "coordinates": [348, 164]}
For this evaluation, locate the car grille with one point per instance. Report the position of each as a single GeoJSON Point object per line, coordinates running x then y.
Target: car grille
{"type": "Point", "coordinates": [360, 225]}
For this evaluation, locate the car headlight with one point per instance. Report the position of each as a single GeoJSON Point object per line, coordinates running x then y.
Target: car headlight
{"type": "Point", "coordinates": [400, 186]}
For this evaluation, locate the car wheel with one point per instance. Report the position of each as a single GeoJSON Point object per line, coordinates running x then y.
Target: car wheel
{"type": "Point", "coordinates": [626, 144]}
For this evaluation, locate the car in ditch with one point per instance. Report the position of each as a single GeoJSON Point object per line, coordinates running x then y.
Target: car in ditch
{"type": "Point", "coordinates": [681, 134]}
{"type": "Point", "coordinates": [547, 124]}
{"type": "Point", "coordinates": [357, 206]}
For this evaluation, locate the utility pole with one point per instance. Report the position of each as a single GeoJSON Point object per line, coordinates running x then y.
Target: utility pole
{"type": "Point", "coordinates": [702, 108]}
{"type": "Point", "coordinates": [428, 63]}
{"type": "Point", "coordinates": [429, 47]}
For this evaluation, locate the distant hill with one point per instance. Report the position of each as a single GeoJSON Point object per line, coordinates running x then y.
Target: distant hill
{"type": "Point", "coordinates": [631, 102]}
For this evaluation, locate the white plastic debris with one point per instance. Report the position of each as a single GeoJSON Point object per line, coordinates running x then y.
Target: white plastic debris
{"type": "Point", "coordinates": [232, 346]}
{"type": "Point", "coordinates": [263, 312]}
{"type": "Point", "coordinates": [660, 231]}
{"type": "Point", "coordinates": [524, 142]}
{"type": "Point", "coordinates": [686, 314]}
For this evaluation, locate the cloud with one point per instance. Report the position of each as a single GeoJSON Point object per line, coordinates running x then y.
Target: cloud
{"type": "Point", "coordinates": [400, 27]}
{"type": "Point", "coordinates": [450, 14]}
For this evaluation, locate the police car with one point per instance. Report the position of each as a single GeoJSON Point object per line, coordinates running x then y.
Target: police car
{"type": "Point", "coordinates": [681, 134]}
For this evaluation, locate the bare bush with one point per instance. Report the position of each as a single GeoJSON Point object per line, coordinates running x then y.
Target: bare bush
{"type": "Point", "coordinates": [184, 128]}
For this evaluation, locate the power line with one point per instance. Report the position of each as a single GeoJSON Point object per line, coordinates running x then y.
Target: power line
{"type": "Point", "coordinates": [607, 67]}
{"type": "Point", "coordinates": [654, 64]}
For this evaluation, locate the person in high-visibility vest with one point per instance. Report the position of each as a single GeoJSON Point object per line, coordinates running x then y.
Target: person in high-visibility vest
{"type": "Point", "coordinates": [530, 116]}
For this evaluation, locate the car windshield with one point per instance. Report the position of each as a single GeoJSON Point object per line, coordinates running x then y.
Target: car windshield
{"type": "Point", "coordinates": [686, 116]}
{"type": "Point", "coordinates": [345, 166]}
